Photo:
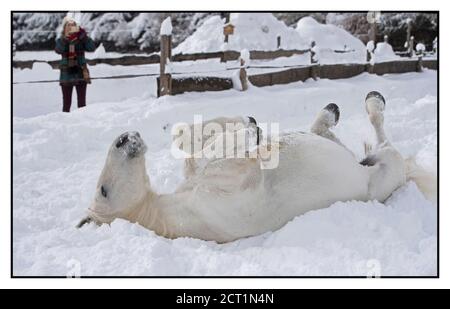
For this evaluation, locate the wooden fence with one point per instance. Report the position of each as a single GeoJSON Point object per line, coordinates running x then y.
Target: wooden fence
{"type": "Point", "coordinates": [331, 71]}
{"type": "Point", "coordinates": [169, 85]}
{"type": "Point", "coordinates": [224, 56]}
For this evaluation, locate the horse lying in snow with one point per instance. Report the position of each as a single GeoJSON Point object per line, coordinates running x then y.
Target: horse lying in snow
{"type": "Point", "coordinates": [227, 199]}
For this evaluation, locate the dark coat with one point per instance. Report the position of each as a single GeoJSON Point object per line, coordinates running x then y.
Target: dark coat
{"type": "Point", "coordinates": [73, 75]}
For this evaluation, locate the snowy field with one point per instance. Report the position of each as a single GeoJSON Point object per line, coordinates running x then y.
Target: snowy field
{"type": "Point", "coordinates": [58, 158]}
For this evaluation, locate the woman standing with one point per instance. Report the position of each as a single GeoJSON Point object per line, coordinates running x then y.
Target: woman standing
{"type": "Point", "coordinates": [71, 46]}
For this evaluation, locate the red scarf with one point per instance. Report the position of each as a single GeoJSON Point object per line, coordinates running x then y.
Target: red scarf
{"type": "Point", "coordinates": [72, 55]}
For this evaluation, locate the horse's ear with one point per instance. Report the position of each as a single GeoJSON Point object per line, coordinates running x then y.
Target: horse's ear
{"type": "Point", "coordinates": [252, 120]}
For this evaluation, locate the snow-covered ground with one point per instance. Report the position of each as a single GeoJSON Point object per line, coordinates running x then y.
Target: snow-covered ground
{"type": "Point", "coordinates": [58, 158]}
{"type": "Point", "coordinates": [47, 97]}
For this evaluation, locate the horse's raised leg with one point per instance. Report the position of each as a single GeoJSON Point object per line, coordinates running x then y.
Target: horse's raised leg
{"type": "Point", "coordinates": [386, 165]}
{"type": "Point", "coordinates": [327, 118]}
{"type": "Point", "coordinates": [375, 105]}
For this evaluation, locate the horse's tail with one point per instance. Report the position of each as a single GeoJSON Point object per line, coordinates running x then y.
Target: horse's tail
{"type": "Point", "coordinates": [425, 180]}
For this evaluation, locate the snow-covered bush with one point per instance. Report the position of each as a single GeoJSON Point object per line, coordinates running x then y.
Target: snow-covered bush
{"type": "Point", "coordinates": [420, 48]}
{"type": "Point", "coordinates": [133, 31]}
{"type": "Point", "coordinates": [384, 52]}
{"type": "Point", "coordinates": [327, 36]}
{"type": "Point", "coordinates": [330, 38]}
{"type": "Point", "coordinates": [117, 31]}
{"type": "Point", "coordinates": [253, 31]}
{"type": "Point", "coordinates": [35, 30]}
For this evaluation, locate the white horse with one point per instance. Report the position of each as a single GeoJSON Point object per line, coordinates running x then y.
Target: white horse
{"type": "Point", "coordinates": [228, 199]}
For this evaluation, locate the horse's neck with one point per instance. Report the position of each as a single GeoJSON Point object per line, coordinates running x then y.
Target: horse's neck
{"type": "Point", "coordinates": [319, 127]}
{"type": "Point", "coordinates": [164, 214]}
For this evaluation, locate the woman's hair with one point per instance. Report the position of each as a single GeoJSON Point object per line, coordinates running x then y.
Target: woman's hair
{"type": "Point", "coordinates": [66, 20]}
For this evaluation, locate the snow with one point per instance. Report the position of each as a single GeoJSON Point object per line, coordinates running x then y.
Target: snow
{"type": "Point", "coordinates": [46, 55]}
{"type": "Point", "coordinates": [327, 35]}
{"type": "Point", "coordinates": [370, 46]}
{"type": "Point", "coordinates": [166, 27]}
{"type": "Point", "coordinates": [384, 52]}
{"type": "Point", "coordinates": [329, 38]}
{"type": "Point", "coordinates": [99, 52]}
{"type": "Point", "coordinates": [420, 48]}
{"type": "Point", "coordinates": [46, 99]}
{"type": "Point", "coordinates": [245, 56]}
{"type": "Point", "coordinates": [253, 31]}
{"type": "Point", "coordinates": [57, 159]}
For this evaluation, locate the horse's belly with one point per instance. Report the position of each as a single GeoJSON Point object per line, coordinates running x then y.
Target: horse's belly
{"type": "Point", "coordinates": [314, 174]}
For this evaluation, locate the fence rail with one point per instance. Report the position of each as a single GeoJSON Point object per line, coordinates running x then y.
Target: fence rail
{"type": "Point", "coordinates": [330, 71]}
{"type": "Point", "coordinates": [224, 56]}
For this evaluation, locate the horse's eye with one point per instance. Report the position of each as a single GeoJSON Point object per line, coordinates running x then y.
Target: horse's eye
{"type": "Point", "coordinates": [104, 193]}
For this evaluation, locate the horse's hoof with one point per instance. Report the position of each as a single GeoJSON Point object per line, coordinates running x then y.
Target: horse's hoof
{"type": "Point", "coordinates": [334, 109]}
{"type": "Point", "coordinates": [375, 102]}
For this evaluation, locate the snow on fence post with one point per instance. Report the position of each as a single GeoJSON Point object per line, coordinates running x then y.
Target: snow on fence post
{"type": "Point", "coordinates": [370, 56]}
{"type": "Point", "coordinates": [420, 49]}
{"type": "Point", "coordinates": [165, 79]}
{"type": "Point", "coordinates": [244, 60]}
{"type": "Point", "coordinates": [314, 61]}
{"type": "Point", "coordinates": [386, 38]}
{"type": "Point", "coordinates": [411, 46]}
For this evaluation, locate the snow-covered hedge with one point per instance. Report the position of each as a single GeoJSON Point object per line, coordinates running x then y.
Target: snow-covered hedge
{"type": "Point", "coordinates": [330, 38]}
{"type": "Point", "coordinates": [117, 31]}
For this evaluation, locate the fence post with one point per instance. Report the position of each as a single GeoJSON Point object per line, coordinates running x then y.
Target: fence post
{"type": "Point", "coordinates": [408, 33]}
{"type": "Point", "coordinates": [278, 41]}
{"type": "Point", "coordinates": [420, 49]}
{"type": "Point", "coordinates": [411, 46]}
{"type": "Point", "coordinates": [314, 61]}
{"type": "Point", "coordinates": [386, 38]}
{"type": "Point", "coordinates": [419, 64]}
{"type": "Point", "coordinates": [373, 32]}
{"type": "Point", "coordinates": [370, 57]}
{"type": "Point", "coordinates": [244, 57]}
{"type": "Point", "coordinates": [165, 79]}
{"type": "Point", "coordinates": [227, 21]}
